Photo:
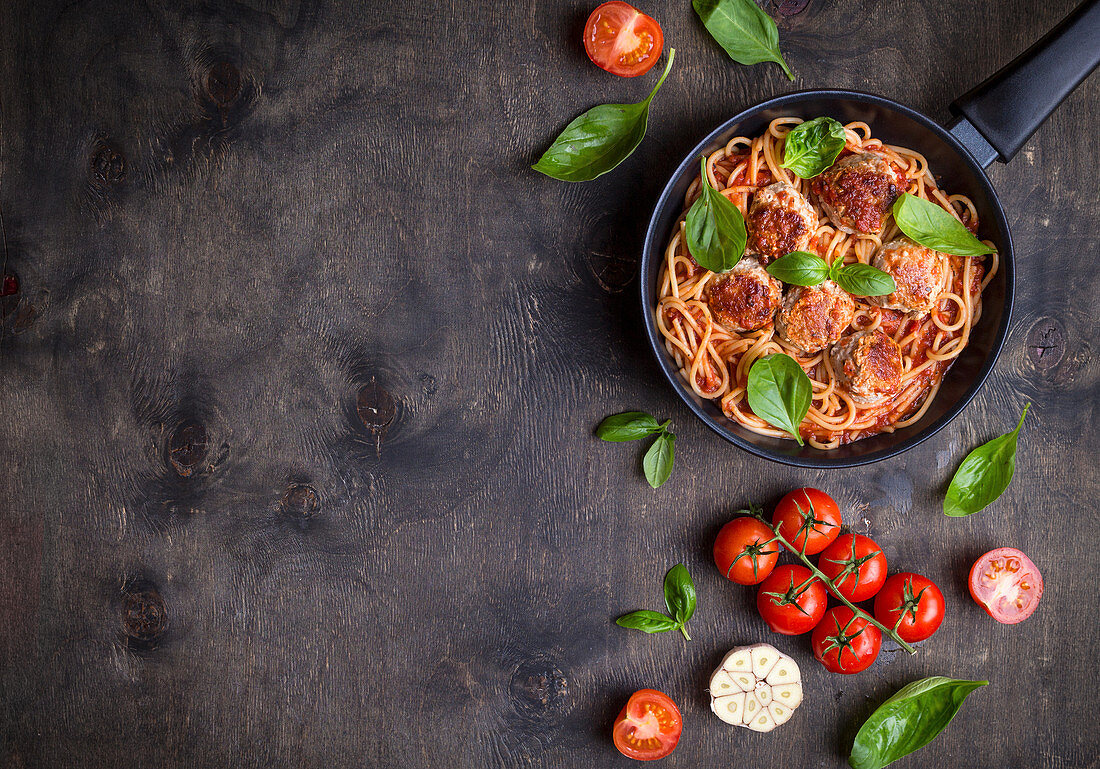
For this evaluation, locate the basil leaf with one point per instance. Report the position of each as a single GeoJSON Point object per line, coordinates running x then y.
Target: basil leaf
{"type": "Point", "coordinates": [714, 229]}
{"type": "Point", "coordinates": [864, 280]}
{"type": "Point", "coordinates": [679, 593]}
{"type": "Point", "coordinates": [747, 33]}
{"type": "Point", "coordinates": [628, 426]}
{"type": "Point", "coordinates": [600, 139]}
{"type": "Point", "coordinates": [811, 147]}
{"type": "Point", "coordinates": [780, 392]}
{"type": "Point", "coordinates": [931, 226]}
{"type": "Point", "coordinates": [657, 462]}
{"type": "Point", "coordinates": [909, 720]}
{"type": "Point", "coordinates": [799, 268]}
{"type": "Point", "coordinates": [647, 621]}
{"type": "Point", "coordinates": [983, 475]}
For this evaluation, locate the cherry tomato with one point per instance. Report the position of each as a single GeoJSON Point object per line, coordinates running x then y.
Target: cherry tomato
{"type": "Point", "coordinates": [623, 40]}
{"type": "Point", "coordinates": [649, 726]}
{"type": "Point", "coordinates": [913, 599]}
{"type": "Point", "coordinates": [792, 600]}
{"type": "Point", "coordinates": [845, 643]}
{"type": "Point", "coordinates": [856, 565]}
{"type": "Point", "coordinates": [1006, 584]}
{"type": "Point", "coordinates": [744, 552]}
{"type": "Point", "coordinates": [808, 518]}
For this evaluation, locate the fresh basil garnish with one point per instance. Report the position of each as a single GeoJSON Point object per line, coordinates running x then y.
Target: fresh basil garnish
{"type": "Point", "coordinates": [983, 475]}
{"type": "Point", "coordinates": [679, 600]}
{"type": "Point", "coordinates": [909, 720]}
{"type": "Point", "coordinates": [747, 33]}
{"type": "Point", "coordinates": [779, 392]}
{"type": "Point", "coordinates": [634, 426]}
{"type": "Point", "coordinates": [931, 226]}
{"type": "Point", "coordinates": [801, 268]}
{"type": "Point", "coordinates": [811, 147]}
{"type": "Point", "coordinates": [657, 462]}
{"type": "Point", "coordinates": [714, 229]}
{"type": "Point", "coordinates": [600, 139]}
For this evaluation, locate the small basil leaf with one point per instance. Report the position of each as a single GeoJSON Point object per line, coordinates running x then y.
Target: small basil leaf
{"type": "Point", "coordinates": [811, 147]}
{"type": "Point", "coordinates": [628, 426]}
{"type": "Point", "coordinates": [983, 475]}
{"type": "Point", "coordinates": [780, 392]}
{"type": "Point", "coordinates": [747, 33]}
{"type": "Point", "coordinates": [864, 280]}
{"type": "Point", "coordinates": [909, 720]}
{"type": "Point", "coordinates": [647, 621]}
{"type": "Point", "coordinates": [679, 593]}
{"type": "Point", "coordinates": [600, 139]}
{"type": "Point", "coordinates": [799, 268]}
{"type": "Point", "coordinates": [931, 226]}
{"type": "Point", "coordinates": [714, 229]}
{"type": "Point", "coordinates": [657, 462]}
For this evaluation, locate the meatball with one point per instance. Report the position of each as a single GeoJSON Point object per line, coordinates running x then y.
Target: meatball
{"type": "Point", "coordinates": [780, 221]}
{"type": "Point", "coordinates": [858, 191]}
{"type": "Point", "coordinates": [868, 365]}
{"type": "Point", "coordinates": [813, 317]}
{"type": "Point", "coordinates": [919, 272]}
{"type": "Point", "coordinates": [745, 298]}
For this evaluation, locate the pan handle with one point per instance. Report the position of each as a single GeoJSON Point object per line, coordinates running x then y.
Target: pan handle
{"type": "Point", "coordinates": [1002, 113]}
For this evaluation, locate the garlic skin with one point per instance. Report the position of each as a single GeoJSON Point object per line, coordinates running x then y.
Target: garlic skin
{"type": "Point", "coordinates": [757, 687]}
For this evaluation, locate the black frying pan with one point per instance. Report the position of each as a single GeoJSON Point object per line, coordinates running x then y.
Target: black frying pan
{"type": "Point", "coordinates": [995, 119]}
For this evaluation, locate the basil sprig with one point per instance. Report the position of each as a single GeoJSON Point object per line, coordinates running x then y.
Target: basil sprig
{"type": "Point", "coordinates": [779, 392]}
{"type": "Point", "coordinates": [600, 139]}
{"type": "Point", "coordinates": [983, 475]}
{"type": "Point", "coordinates": [636, 425]}
{"type": "Point", "coordinates": [747, 33]}
{"type": "Point", "coordinates": [679, 600]}
{"type": "Point", "coordinates": [811, 147]}
{"type": "Point", "coordinates": [801, 268]}
{"type": "Point", "coordinates": [909, 720]}
{"type": "Point", "coordinates": [714, 228]}
{"type": "Point", "coordinates": [931, 226]}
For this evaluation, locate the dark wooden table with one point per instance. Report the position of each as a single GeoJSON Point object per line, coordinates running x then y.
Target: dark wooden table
{"type": "Point", "coordinates": [300, 380]}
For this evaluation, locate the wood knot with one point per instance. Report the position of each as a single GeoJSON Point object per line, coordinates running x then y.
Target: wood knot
{"type": "Point", "coordinates": [539, 690]}
{"type": "Point", "coordinates": [223, 83]}
{"type": "Point", "coordinates": [187, 447]}
{"type": "Point", "coordinates": [144, 615]}
{"type": "Point", "coordinates": [108, 165]}
{"type": "Point", "coordinates": [301, 500]}
{"type": "Point", "coordinates": [1046, 344]}
{"type": "Point", "coordinates": [375, 407]}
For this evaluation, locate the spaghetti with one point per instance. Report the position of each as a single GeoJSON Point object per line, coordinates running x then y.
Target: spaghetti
{"type": "Point", "coordinates": [715, 361]}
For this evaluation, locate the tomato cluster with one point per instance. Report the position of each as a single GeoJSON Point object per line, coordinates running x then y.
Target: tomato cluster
{"type": "Point", "coordinates": [793, 600]}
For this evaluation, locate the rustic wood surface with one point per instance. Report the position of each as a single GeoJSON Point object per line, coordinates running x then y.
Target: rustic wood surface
{"type": "Point", "coordinates": [300, 379]}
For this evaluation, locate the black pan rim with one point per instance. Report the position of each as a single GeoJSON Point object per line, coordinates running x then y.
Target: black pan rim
{"type": "Point", "coordinates": [652, 249]}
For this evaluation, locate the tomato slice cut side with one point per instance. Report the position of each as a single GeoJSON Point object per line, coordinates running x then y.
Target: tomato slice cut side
{"type": "Point", "coordinates": [648, 727]}
{"type": "Point", "coordinates": [622, 40]}
{"type": "Point", "coordinates": [1006, 584]}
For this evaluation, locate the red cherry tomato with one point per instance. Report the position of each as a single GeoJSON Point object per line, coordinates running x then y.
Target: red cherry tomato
{"type": "Point", "coordinates": [744, 552]}
{"type": "Point", "coordinates": [649, 726]}
{"type": "Point", "coordinates": [623, 40]}
{"type": "Point", "coordinates": [856, 565]}
{"type": "Point", "coordinates": [845, 643]}
{"type": "Point", "coordinates": [1006, 584]}
{"type": "Point", "coordinates": [914, 599]}
{"type": "Point", "coordinates": [792, 600]}
{"type": "Point", "coordinates": [808, 518]}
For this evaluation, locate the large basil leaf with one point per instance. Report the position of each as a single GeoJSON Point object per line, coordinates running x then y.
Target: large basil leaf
{"type": "Point", "coordinates": [909, 720]}
{"type": "Point", "coordinates": [747, 33]}
{"type": "Point", "coordinates": [811, 147]}
{"type": "Point", "coordinates": [984, 474]}
{"type": "Point", "coordinates": [657, 462]}
{"type": "Point", "coordinates": [799, 268]}
{"type": "Point", "coordinates": [714, 229]}
{"type": "Point", "coordinates": [628, 426]}
{"type": "Point", "coordinates": [780, 392]}
{"type": "Point", "coordinates": [864, 280]}
{"type": "Point", "coordinates": [679, 593]}
{"type": "Point", "coordinates": [931, 226]}
{"type": "Point", "coordinates": [600, 139]}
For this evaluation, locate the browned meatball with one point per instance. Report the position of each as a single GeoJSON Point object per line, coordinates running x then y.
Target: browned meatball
{"type": "Point", "coordinates": [813, 317]}
{"type": "Point", "coordinates": [780, 221]}
{"type": "Point", "coordinates": [919, 272]}
{"type": "Point", "coordinates": [868, 365]}
{"type": "Point", "coordinates": [745, 298]}
{"type": "Point", "coordinates": [858, 191]}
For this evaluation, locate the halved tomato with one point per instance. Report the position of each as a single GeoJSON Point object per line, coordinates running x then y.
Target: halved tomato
{"type": "Point", "coordinates": [623, 40]}
{"type": "Point", "coordinates": [1006, 584]}
{"type": "Point", "coordinates": [649, 726]}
